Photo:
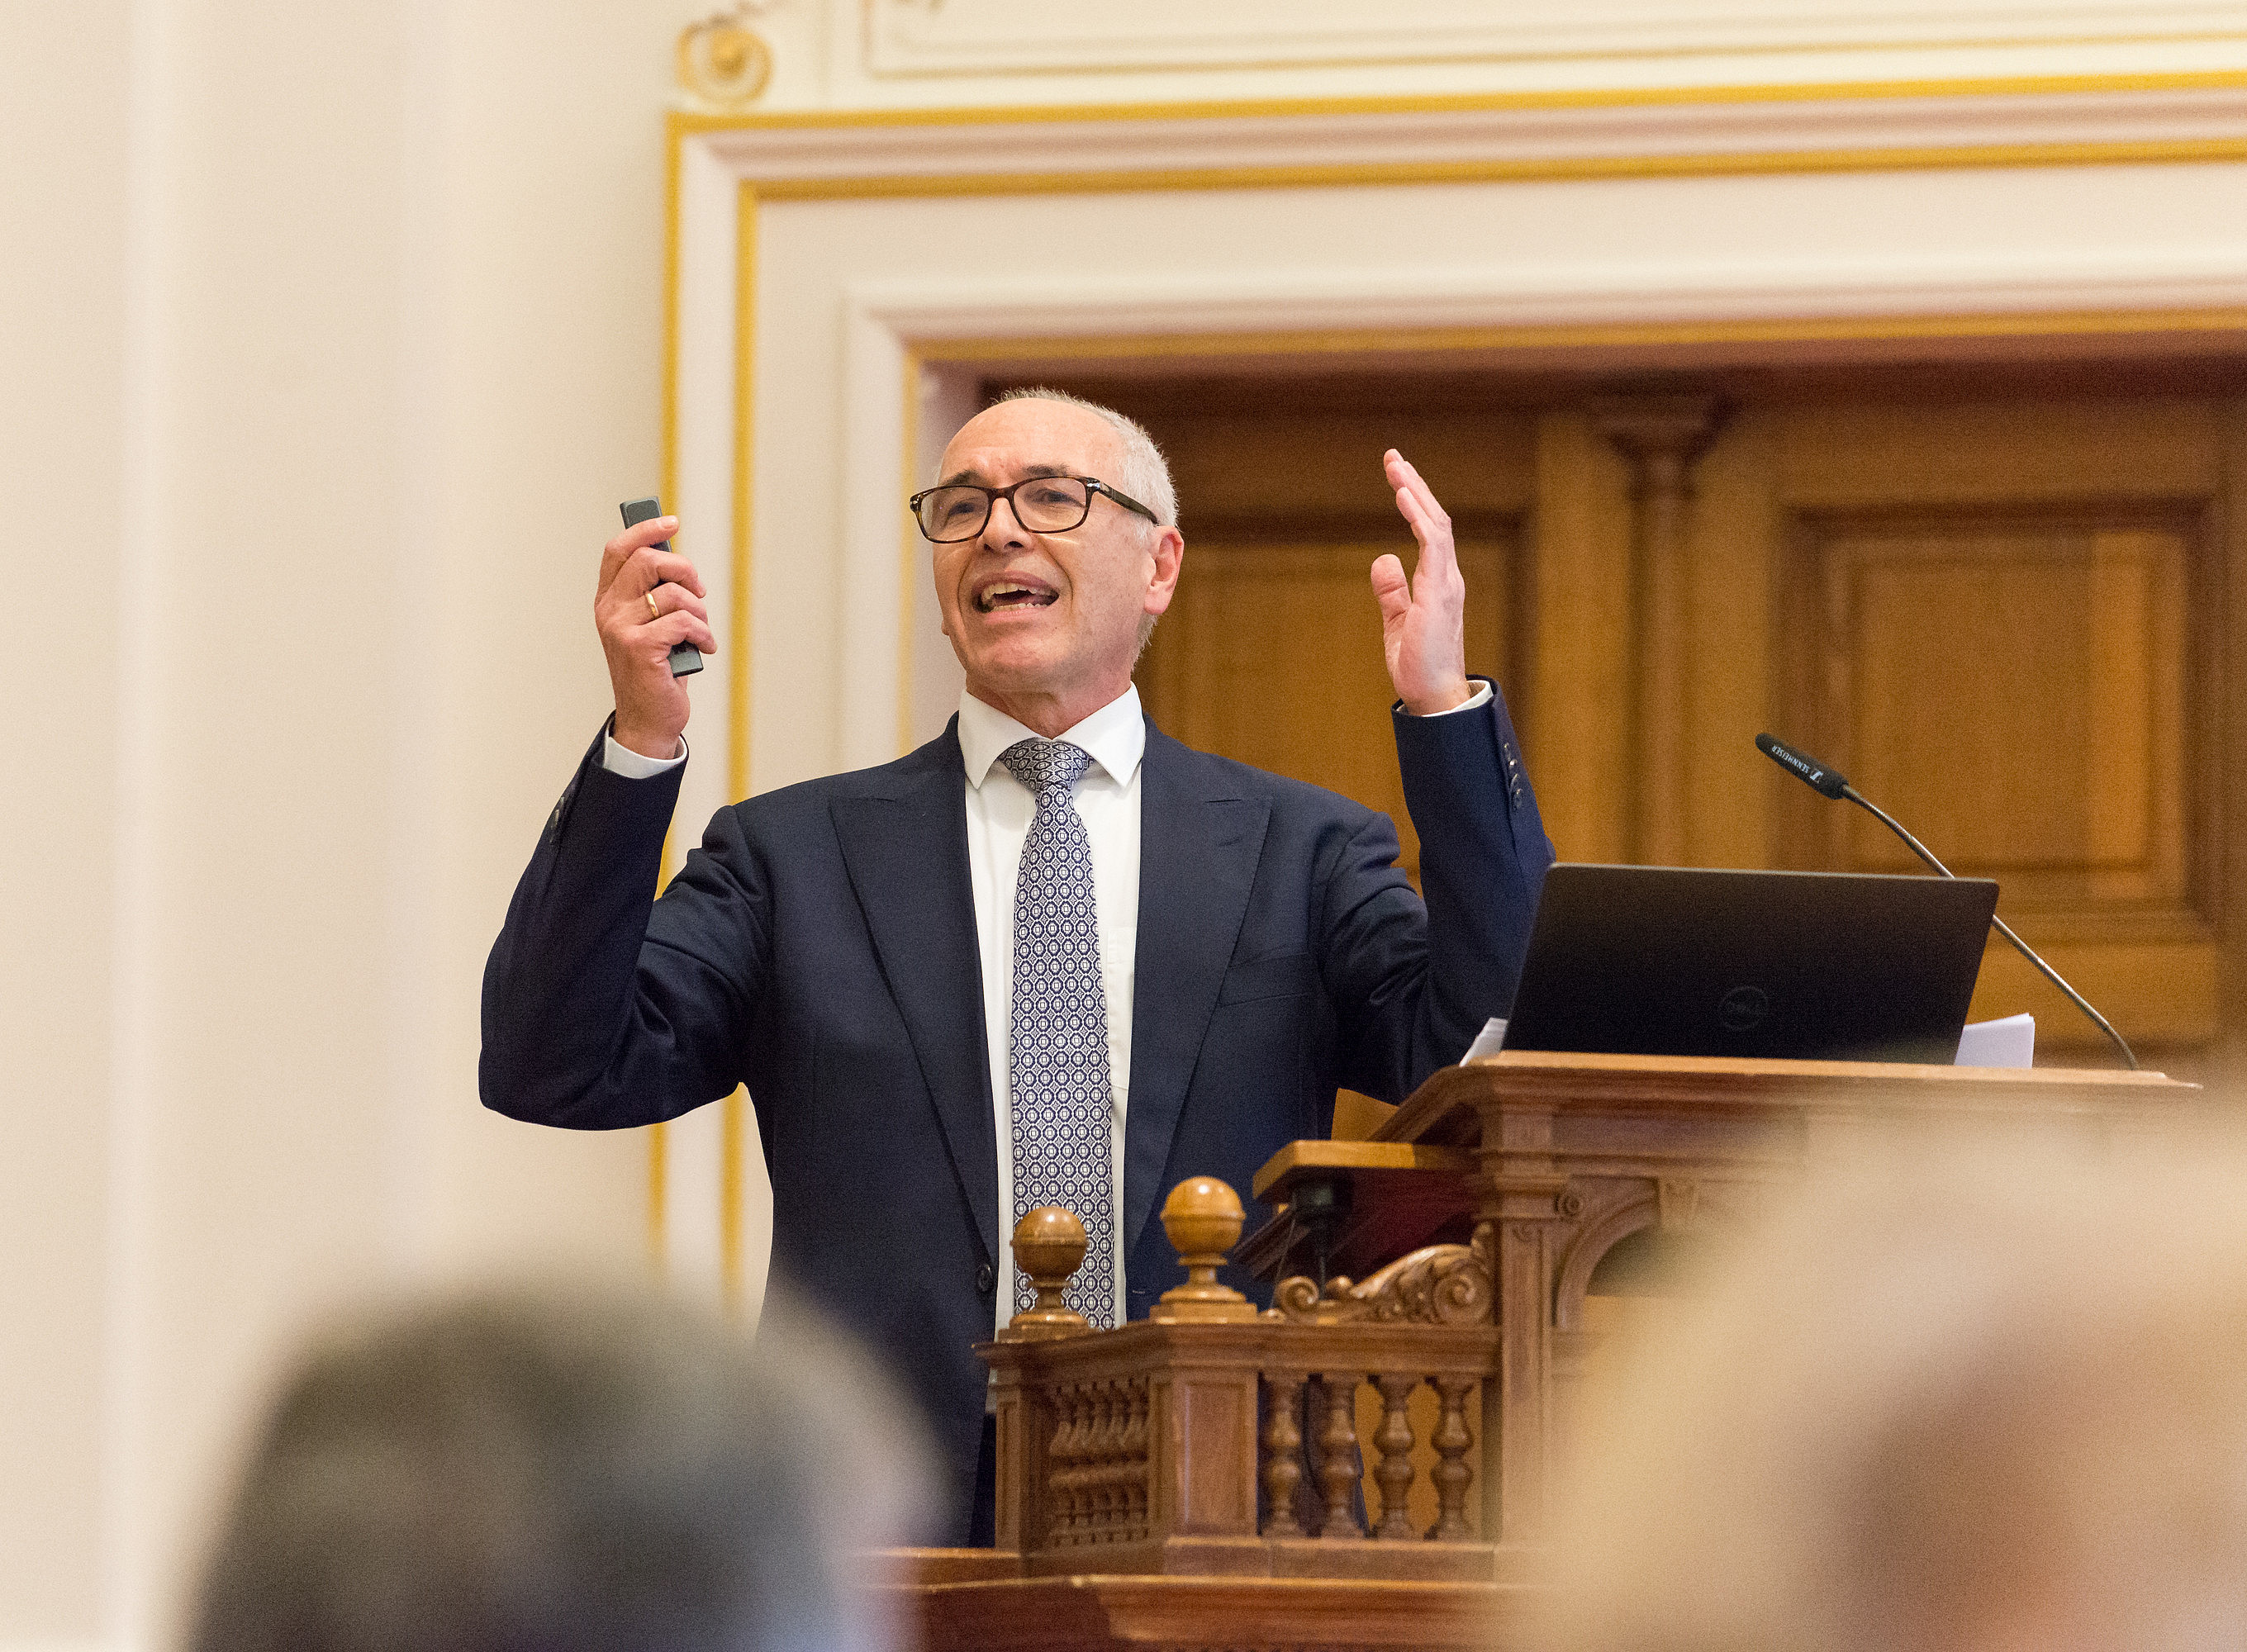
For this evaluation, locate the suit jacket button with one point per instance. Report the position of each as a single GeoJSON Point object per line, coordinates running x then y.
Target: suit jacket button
{"type": "Point", "coordinates": [986, 1281]}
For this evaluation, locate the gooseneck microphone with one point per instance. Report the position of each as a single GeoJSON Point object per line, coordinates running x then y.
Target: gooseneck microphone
{"type": "Point", "coordinates": [1830, 783]}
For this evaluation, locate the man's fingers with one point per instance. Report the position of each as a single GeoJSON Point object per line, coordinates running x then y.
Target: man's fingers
{"type": "Point", "coordinates": [647, 568]}
{"type": "Point", "coordinates": [672, 598]}
{"type": "Point", "coordinates": [1437, 568]}
{"type": "Point", "coordinates": [1390, 588]}
{"type": "Point", "coordinates": [667, 614]}
{"type": "Point", "coordinates": [620, 550]}
{"type": "Point", "coordinates": [653, 638]}
{"type": "Point", "coordinates": [680, 626]}
{"type": "Point", "coordinates": [1406, 477]}
{"type": "Point", "coordinates": [1417, 517]}
{"type": "Point", "coordinates": [1416, 502]}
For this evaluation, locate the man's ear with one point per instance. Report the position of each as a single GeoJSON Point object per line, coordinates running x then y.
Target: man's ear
{"type": "Point", "coordinates": [1170, 550]}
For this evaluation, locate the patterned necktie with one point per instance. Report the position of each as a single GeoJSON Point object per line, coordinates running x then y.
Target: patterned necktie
{"type": "Point", "coordinates": [1058, 1037]}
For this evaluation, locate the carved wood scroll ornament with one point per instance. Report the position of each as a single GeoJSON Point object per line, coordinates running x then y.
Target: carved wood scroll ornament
{"type": "Point", "coordinates": [1437, 1284]}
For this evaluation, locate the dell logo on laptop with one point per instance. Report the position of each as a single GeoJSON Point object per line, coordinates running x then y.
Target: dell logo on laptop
{"type": "Point", "coordinates": [1742, 1008]}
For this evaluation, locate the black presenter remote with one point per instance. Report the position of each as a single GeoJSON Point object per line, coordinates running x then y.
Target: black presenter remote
{"type": "Point", "coordinates": [685, 657]}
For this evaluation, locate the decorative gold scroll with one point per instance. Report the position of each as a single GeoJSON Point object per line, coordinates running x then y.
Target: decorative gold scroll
{"type": "Point", "coordinates": [722, 62]}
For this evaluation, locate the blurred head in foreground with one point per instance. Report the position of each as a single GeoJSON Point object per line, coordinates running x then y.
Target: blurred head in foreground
{"type": "Point", "coordinates": [1986, 1397]}
{"type": "Point", "coordinates": [544, 1472]}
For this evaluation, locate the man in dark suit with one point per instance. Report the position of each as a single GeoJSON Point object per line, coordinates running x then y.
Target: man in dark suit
{"type": "Point", "coordinates": [1053, 956]}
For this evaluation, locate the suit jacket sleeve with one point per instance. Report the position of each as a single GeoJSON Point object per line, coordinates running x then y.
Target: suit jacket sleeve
{"type": "Point", "coordinates": [1412, 983]}
{"type": "Point", "coordinates": [603, 1007]}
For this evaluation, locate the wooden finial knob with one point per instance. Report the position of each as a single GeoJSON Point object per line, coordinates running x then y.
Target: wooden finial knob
{"type": "Point", "coordinates": [1203, 1219]}
{"type": "Point", "coordinates": [1048, 1247]}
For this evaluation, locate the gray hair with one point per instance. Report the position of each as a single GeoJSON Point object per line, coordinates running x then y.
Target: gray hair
{"type": "Point", "coordinates": [611, 1472]}
{"type": "Point", "coordinates": [1146, 474]}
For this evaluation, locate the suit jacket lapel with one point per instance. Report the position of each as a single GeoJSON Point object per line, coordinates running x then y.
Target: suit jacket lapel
{"type": "Point", "coordinates": [1199, 843]}
{"type": "Point", "coordinates": [907, 855]}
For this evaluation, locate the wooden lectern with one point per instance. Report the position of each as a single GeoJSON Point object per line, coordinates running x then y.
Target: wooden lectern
{"type": "Point", "coordinates": [1194, 1479]}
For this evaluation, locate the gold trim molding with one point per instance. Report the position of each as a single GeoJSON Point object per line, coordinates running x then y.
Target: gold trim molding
{"type": "Point", "coordinates": [2008, 86]}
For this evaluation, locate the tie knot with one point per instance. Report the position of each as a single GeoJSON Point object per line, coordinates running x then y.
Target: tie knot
{"type": "Point", "coordinates": [1046, 765]}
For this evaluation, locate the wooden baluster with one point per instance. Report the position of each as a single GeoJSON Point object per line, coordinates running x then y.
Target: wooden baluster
{"type": "Point", "coordinates": [1283, 1442]}
{"type": "Point", "coordinates": [1395, 1439]}
{"type": "Point", "coordinates": [1135, 1450]}
{"type": "Point", "coordinates": [1061, 1458]}
{"type": "Point", "coordinates": [1087, 1459]}
{"type": "Point", "coordinates": [1452, 1441]}
{"type": "Point", "coordinates": [1339, 1468]}
{"type": "Point", "coordinates": [1057, 1472]}
{"type": "Point", "coordinates": [1087, 1464]}
{"type": "Point", "coordinates": [1107, 1434]}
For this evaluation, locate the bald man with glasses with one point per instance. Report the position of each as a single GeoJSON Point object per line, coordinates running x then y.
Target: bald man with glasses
{"type": "Point", "coordinates": [1051, 957]}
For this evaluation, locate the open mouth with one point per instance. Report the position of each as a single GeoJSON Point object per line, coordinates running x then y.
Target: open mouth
{"type": "Point", "coordinates": [1011, 594]}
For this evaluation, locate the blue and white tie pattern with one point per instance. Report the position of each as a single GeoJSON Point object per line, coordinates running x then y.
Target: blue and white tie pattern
{"type": "Point", "coordinates": [1057, 1034]}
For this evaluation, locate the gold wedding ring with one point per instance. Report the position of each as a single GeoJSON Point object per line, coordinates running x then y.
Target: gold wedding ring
{"type": "Point", "coordinates": [653, 613]}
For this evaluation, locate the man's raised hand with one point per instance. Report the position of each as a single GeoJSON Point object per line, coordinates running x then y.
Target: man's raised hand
{"type": "Point", "coordinates": [1423, 619]}
{"type": "Point", "coordinates": [649, 601]}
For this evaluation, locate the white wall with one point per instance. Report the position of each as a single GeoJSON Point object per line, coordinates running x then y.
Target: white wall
{"type": "Point", "coordinates": [61, 418]}
{"type": "Point", "coordinates": [332, 337]}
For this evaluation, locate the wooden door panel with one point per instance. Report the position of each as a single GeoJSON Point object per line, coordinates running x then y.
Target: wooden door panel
{"type": "Point", "coordinates": [1580, 673]}
{"type": "Point", "coordinates": [2003, 635]}
{"type": "Point", "coordinates": [2156, 992]}
{"type": "Point", "coordinates": [1850, 455]}
{"type": "Point", "coordinates": [2016, 694]}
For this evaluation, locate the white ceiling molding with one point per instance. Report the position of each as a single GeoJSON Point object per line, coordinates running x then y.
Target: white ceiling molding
{"type": "Point", "coordinates": [804, 151]}
{"type": "Point", "coordinates": [1683, 290]}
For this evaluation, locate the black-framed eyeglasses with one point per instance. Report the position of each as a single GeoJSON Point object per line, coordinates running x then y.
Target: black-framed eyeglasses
{"type": "Point", "coordinates": [1042, 504]}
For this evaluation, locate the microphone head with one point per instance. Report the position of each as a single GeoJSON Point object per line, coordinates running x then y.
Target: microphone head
{"type": "Point", "coordinates": [1826, 782]}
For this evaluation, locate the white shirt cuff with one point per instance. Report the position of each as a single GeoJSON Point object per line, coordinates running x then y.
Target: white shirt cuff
{"type": "Point", "coordinates": [1480, 697]}
{"type": "Point", "coordinates": [622, 760]}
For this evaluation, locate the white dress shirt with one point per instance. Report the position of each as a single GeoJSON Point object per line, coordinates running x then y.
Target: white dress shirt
{"type": "Point", "coordinates": [999, 811]}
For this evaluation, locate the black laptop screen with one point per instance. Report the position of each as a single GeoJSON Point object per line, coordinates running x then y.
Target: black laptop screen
{"type": "Point", "coordinates": [1656, 960]}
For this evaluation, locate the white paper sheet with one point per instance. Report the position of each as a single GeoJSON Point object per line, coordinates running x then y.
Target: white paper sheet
{"type": "Point", "coordinates": [1488, 1041]}
{"type": "Point", "coordinates": [2008, 1042]}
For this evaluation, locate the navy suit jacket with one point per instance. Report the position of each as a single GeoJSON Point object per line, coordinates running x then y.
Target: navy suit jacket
{"type": "Point", "coordinates": [820, 947]}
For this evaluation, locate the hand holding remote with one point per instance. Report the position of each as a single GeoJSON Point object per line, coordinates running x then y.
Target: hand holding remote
{"type": "Point", "coordinates": [649, 613]}
{"type": "Point", "coordinates": [684, 660]}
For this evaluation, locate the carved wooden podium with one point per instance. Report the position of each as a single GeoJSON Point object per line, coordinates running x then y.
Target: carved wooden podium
{"type": "Point", "coordinates": [1194, 1479]}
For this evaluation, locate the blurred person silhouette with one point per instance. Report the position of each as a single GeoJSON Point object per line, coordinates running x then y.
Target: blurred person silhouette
{"type": "Point", "coordinates": [535, 1470]}
{"type": "Point", "coordinates": [1989, 1396]}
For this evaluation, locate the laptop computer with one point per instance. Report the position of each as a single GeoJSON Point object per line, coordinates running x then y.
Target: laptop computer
{"type": "Point", "coordinates": [1658, 960]}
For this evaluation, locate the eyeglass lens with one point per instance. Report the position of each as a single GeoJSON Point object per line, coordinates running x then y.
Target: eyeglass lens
{"type": "Point", "coordinates": [1042, 504]}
